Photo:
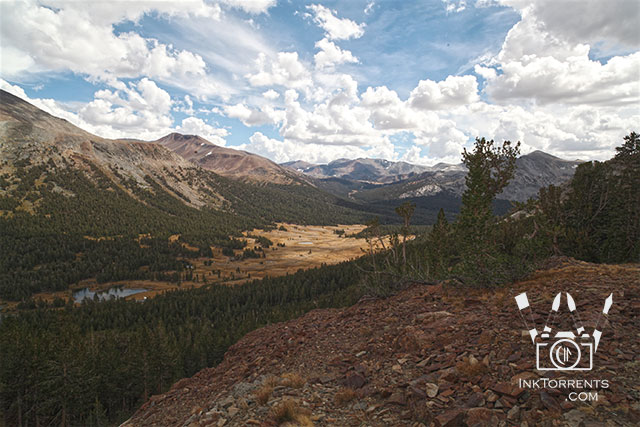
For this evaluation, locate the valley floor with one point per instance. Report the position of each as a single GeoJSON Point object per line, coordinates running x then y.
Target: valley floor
{"type": "Point", "coordinates": [304, 247]}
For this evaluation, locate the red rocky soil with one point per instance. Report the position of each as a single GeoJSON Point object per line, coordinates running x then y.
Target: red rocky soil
{"type": "Point", "coordinates": [428, 356]}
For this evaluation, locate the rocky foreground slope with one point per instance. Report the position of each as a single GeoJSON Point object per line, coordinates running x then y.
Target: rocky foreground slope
{"type": "Point", "coordinates": [430, 355]}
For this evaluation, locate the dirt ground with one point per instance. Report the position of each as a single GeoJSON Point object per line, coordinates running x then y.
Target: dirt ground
{"type": "Point", "coordinates": [304, 247]}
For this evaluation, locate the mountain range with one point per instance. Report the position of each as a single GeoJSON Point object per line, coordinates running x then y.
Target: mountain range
{"type": "Point", "coordinates": [200, 174]}
{"type": "Point", "coordinates": [375, 179]}
{"type": "Point", "coordinates": [368, 170]}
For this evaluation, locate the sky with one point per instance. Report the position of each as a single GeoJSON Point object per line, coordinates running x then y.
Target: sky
{"type": "Point", "coordinates": [413, 81]}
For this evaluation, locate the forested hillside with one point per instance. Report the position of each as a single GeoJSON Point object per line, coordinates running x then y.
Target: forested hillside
{"type": "Point", "coordinates": [116, 354]}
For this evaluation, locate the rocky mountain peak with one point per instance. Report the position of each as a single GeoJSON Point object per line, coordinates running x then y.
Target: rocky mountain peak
{"type": "Point", "coordinates": [227, 161]}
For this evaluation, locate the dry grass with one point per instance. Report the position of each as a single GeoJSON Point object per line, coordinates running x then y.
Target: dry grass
{"type": "Point", "coordinates": [271, 381]}
{"type": "Point", "coordinates": [344, 396]}
{"type": "Point", "coordinates": [263, 394]}
{"type": "Point", "coordinates": [293, 380]}
{"type": "Point", "coordinates": [290, 413]}
{"type": "Point", "coordinates": [327, 248]}
{"type": "Point", "coordinates": [470, 370]}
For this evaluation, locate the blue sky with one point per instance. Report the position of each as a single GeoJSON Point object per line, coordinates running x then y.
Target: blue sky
{"type": "Point", "coordinates": [411, 80]}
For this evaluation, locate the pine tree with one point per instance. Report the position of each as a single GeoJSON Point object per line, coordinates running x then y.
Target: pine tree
{"type": "Point", "coordinates": [489, 170]}
{"type": "Point", "coordinates": [630, 147]}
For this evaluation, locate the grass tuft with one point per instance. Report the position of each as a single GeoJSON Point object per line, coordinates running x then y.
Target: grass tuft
{"type": "Point", "coordinates": [289, 412]}
{"type": "Point", "coordinates": [293, 380]}
{"type": "Point", "coordinates": [469, 369]}
{"type": "Point", "coordinates": [263, 394]}
{"type": "Point", "coordinates": [344, 396]}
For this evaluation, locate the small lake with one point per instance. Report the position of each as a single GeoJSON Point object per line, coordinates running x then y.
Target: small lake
{"type": "Point", "coordinates": [305, 243]}
{"type": "Point", "coordinates": [117, 292]}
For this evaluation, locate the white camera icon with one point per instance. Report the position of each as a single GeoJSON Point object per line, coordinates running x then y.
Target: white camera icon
{"type": "Point", "coordinates": [564, 352]}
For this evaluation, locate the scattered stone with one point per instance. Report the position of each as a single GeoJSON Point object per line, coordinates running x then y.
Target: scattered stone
{"type": "Point", "coordinates": [226, 402]}
{"type": "Point", "coordinates": [447, 393]}
{"type": "Point", "coordinates": [397, 398]}
{"type": "Point", "coordinates": [481, 417]}
{"type": "Point", "coordinates": [514, 413]}
{"type": "Point", "coordinates": [475, 400]}
{"type": "Point", "coordinates": [451, 418]}
{"type": "Point", "coordinates": [491, 396]}
{"type": "Point", "coordinates": [507, 389]}
{"type": "Point", "coordinates": [432, 390]}
{"type": "Point", "coordinates": [548, 401]}
{"type": "Point", "coordinates": [574, 417]}
{"type": "Point", "coordinates": [232, 411]}
{"type": "Point", "coordinates": [515, 356]}
{"type": "Point", "coordinates": [355, 381]}
{"type": "Point", "coordinates": [359, 406]}
{"type": "Point", "coordinates": [417, 392]}
{"type": "Point", "coordinates": [485, 361]}
{"type": "Point", "coordinates": [527, 375]}
{"type": "Point", "coordinates": [242, 389]}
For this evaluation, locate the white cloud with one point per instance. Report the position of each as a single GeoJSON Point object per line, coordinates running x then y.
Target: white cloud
{"type": "Point", "coordinates": [542, 60]}
{"type": "Point", "coordinates": [136, 111]}
{"type": "Point", "coordinates": [331, 55]}
{"type": "Point", "coordinates": [197, 126]}
{"type": "Point", "coordinates": [388, 111]}
{"type": "Point", "coordinates": [451, 92]}
{"type": "Point", "coordinates": [337, 121]}
{"type": "Point", "coordinates": [566, 131]}
{"type": "Point", "coordinates": [574, 80]}
{"type": "Point", "coordinates": [586, 21]}
{"type": "Point", "coordinates": [107, 13]}
{"type": "Point", "coordinates": [369, 8]}
{"type": "Point", "coordinates": [79, 37]}
{"type": "Point", "coordinates": [185, 106]}
{"type": "Point", "coordinates": [284, 151]}
{"type": "Point", "coordinates": [254, 117]}
{"type": "Point", "coordinates": [334, 27]}
{"type": "Point", "coordinates": [454, 6]}
{"type": "Point", "coordinates": [283, 70]}
{"type": "Point", "coordinates": [271, 94]}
